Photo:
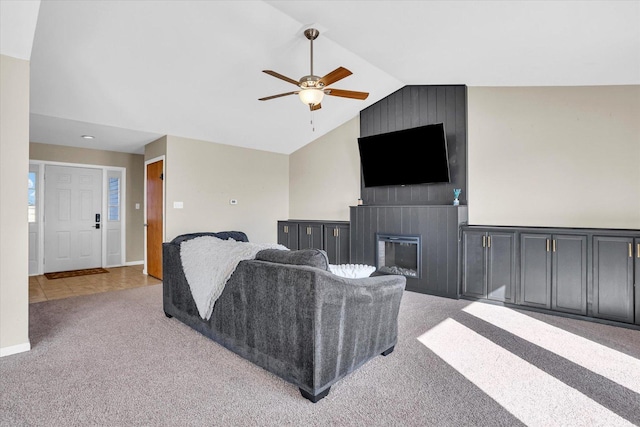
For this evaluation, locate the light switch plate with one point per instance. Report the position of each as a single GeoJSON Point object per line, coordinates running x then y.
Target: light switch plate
{"type": "Point", "coordinates": [178, 205]}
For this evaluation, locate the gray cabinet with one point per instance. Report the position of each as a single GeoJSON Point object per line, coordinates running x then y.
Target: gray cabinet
{"type": "Point", "coordinates": [288, 234]}
{"type": "Point", "coordinates": [330, 236]}
{"type": "Point", "coordinates": [474, 283]}
{"type": "Point", "coordinates": [588, 272]}
{"type": "Point", "coordinates": [569, 273]}
{"type": "Point", "coordinates": [553, 272]}
{"type": "Point", "coordinates": [310, 235]}
{"type": "Point", "coordinates": [613, 281]}
{"type": "Point", "coordinates": [336, 242]}
{"type": "Point", "coordinates": [637, 281]}
{"type": "Point", "coordinates": [535, 270]}
{"type": "Point", "coordinates": [488, 260]}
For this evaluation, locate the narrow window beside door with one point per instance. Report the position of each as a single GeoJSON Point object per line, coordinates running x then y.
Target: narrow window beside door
{"type": "Point", "coordinates": [32, 197]}
{"type": "Point", "coordinates": [114, 199]}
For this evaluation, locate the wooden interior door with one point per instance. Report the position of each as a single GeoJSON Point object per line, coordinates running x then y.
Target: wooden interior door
{"type": "Point", "coordinates": [155, 219]}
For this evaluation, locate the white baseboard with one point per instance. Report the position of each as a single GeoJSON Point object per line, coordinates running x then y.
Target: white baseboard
{"type": "Point", "coordinates": [134, 263]}
{"type": "Point", "coordinates": [14, 349]}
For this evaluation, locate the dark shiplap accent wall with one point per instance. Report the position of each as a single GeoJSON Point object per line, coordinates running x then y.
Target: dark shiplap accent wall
{"type": "Point", "coordinates": [438, 228]}
{"type": "Point", "coordinates": [414, 106]}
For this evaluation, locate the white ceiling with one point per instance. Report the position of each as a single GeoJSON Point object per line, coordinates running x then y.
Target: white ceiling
{"type": "Point", "coordinates": [131, 71]}
{"type": "Point", "coordinates": [17, 26]}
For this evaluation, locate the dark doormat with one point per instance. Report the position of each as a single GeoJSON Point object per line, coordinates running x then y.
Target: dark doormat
{"type": "Point", "coordinates": [74, 273]}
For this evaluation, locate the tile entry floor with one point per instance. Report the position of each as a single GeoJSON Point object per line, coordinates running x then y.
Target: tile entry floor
{"type": "Point", "coordinates": [43, 289]}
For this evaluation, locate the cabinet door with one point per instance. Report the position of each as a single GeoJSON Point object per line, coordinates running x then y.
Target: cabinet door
{"type": "Point", "coordinates": [344, 246]}
{"type": "Point", "coordinates": [288, 234]}
{"type": "Point", "coordinates": [310, 236]}
{"type": "Point", "coordinates": [613, 278]}
{"type": "Point", "coordinates": [535, 270]}
{"type": "Point", "coordinates": [637, 281]}
{"type": "Point", "coordinates": [473, 264]}
{"type": "Point", "coordinates": [500, 266]}
{"type": "Point", "coordinates": [336, 243]}
{"type": "Point", "coordinates": [569, 267]}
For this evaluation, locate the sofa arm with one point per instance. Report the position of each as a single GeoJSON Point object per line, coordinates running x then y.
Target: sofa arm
{"type": "Point", "coordinates": [355, 320]}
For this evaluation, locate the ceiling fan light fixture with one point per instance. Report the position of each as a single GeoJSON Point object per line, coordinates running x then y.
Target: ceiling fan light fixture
{"type": "Point", "coordinates": [311, 96]}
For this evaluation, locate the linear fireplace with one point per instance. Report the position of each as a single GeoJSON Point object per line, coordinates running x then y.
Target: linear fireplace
{"type": "Point", "coordinates": [398, 254]}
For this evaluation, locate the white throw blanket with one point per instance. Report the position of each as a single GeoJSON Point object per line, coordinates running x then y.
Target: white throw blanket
{"type": "Point", "coordinates": [208, 262]}
{"type": "Point", "coordinates": [353, 271]}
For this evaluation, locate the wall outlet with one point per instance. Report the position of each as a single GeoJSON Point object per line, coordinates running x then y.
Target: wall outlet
{"type": "Point", "coordinates": [178, 205]}
{"type": "Point", "coordinates": [233, 201]}
{"type": "Point", "coordinates": [137, 205]}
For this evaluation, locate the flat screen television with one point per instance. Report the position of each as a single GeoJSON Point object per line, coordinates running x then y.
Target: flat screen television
{"type": "Point", "coordinates": [411, 156]}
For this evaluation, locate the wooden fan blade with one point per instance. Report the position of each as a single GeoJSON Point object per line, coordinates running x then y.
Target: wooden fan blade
{"type": "Point", "coordinates": [276, 96]}
{"type": "Point", "coordinates": [346, 93]}
{"type": "Point", "coordinates": [315, 107]}
{"type": "Point", "coordinates": [281, 77]}
{"type": "Point", "coordinates": [337, 74]}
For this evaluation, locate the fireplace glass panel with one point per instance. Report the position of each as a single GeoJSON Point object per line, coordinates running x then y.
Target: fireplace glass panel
{"type": "Point", "coordinates": [398, 254]}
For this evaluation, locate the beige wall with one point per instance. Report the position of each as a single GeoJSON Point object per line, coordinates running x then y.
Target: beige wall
{"type": "Point", "coordinates": [204, 176]}
{"type": "Point", "coordinates": [155, 148]}
{"type": "Point", "coordinates": [134, 164]}
{"type": "Point", "coordinates": [325, 175]}
{"type": "Point", "coordinates": [14, 167]}
{"type": "Point", "coordinates": [555, 156]}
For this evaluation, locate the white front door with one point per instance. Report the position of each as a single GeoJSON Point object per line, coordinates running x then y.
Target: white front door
{"type": "Point", "coordinates": [72, 218]}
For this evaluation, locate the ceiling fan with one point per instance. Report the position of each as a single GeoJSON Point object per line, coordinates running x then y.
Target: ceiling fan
{"type": "Point", "coordinates": [313, 88]}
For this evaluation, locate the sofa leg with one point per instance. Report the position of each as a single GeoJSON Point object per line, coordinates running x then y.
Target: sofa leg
{"type": "Point", "coordinates": [315, 398]}
{"type": "Point", "coordinates": [388, 351]}
{"type": "Point", "coordinates": [168, 315]}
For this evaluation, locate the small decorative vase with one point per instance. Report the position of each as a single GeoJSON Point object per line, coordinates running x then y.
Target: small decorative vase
{"type": "Point", "coordinates": [456, 194]}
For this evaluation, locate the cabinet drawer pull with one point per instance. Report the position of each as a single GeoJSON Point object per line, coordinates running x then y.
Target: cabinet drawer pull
{"type": "Point", "coordinates": [484, 241]}
{"type": "Point", "coordinates": [554, 245]}
{"type": "Point", "coordinates": [630, 251]}
{"type": "Point", "coordinates": [547, 245]}
{"type": "Point", "coordinates": [286, 228]}
{"type": "Point", "coordinates": [638, 250]}
{"type": "Point", "coordinates": [309, 230]}
{"type": "Point", "coordinates": [489, 241]}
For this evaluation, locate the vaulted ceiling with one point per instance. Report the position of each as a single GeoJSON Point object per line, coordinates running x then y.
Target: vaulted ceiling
{"type": "Point", "coordinates": [128, 72]}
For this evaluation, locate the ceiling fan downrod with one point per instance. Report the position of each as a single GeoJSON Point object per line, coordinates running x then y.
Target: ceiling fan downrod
{"type": "Point", "coordinates": [311, 34]}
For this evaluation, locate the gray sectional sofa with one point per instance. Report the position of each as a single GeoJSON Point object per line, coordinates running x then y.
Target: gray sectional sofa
{"type": "Point", "coordinates": [284, 311]}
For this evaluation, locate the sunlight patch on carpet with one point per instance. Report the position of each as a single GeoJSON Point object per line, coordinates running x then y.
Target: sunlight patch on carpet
{"type": "Point", "coordinates": [530, 394]}
{"type": "Point", "coordinates": [619, 367]}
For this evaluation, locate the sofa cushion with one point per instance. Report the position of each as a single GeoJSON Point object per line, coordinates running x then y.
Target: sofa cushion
{"type": "Point", "coordinates": [311, 257]}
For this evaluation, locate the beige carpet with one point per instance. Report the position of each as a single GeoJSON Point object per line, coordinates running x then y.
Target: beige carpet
{"type": "Point", "coordinates": [114, 359]}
